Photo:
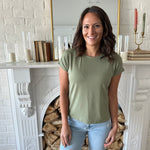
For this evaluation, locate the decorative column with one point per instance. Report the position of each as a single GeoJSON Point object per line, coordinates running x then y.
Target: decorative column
{"type": "Point", "coordinates": [24, 116]}
{"type": "Point", "coordinates": [134, 97]}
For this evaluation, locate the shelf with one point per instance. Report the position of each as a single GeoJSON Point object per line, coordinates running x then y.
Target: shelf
{"type": "Point", "coordinates": [54, 64]}
{"type": "Point", "coordinates": [17, 65]}
{"type": "Point", "coordinates": [138, 62]}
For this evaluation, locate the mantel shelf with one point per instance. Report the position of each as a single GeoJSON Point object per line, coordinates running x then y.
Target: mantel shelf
{"type": "Point", "coordinates": [54, 64]}
{"type": "Point", "coordinates": [140, 62]}
{"type": "Point", "coordinates": [17, 65]}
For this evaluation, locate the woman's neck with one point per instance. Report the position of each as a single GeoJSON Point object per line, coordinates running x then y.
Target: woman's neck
{"type": "Point", "coordinates": [92, 51]}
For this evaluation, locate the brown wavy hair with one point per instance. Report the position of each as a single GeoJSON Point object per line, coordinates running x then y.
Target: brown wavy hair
{"type": "Point", "coordinates": [107, 44]}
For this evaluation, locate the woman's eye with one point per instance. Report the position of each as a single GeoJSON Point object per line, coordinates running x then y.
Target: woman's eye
{"type": "Point", "coordinates": [86, 27]}
{"type": "Point", "coordinates": [97, 25]}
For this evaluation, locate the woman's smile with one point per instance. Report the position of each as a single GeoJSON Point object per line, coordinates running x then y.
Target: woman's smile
{"type": "Point", "coordinates": [91, 37]}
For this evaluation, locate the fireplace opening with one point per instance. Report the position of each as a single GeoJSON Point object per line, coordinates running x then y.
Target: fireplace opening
{"type": "Point", "coordinates": [52, 128]}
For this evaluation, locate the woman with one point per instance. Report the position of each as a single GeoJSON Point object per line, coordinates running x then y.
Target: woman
{"type": "Point", "coordinates": [89, 77]}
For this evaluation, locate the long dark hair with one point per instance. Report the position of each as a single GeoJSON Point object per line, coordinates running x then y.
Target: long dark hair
{"type": "Point", "coordinates": [108, 41]}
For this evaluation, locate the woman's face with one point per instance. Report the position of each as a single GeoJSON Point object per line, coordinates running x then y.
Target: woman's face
{"type": "Point", "coordinates": [92, 30]}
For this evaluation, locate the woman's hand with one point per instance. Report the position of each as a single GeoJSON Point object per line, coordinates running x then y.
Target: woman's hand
{"type": "Point", "coordinates": [111, 137]}
{"type": "Point", "coordinates": [65, 135]}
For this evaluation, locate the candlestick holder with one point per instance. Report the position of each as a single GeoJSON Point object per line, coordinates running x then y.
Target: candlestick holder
{"type": "Point", "coordinates": [139, 54]}
{"type": "Point", "coordinates": [138, 50]}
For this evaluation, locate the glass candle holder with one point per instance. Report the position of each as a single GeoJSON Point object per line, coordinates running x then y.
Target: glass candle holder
{"type": "Point", "coordinates": [120, 43]}
{"type": "Point", "coordinates": [6, 52]}
{"type": "Point", "coordinates": [126, 43]}
{"type": "Point", "coordinates": [60, 46]}
{"type": "Point", "coordinates": [27, 45]}
{"type": "Point", "coordinates": [20, 56]}
{"type": "Point", "coordinates": [9, 54]}
{"type": "Point", "coordinates": [124, 55]}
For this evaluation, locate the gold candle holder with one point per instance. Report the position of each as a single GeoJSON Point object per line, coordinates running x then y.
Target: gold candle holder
{"type": "Point", "coordinates": [138, 50]}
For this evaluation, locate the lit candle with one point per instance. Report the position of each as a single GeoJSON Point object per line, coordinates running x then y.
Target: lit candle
{"type": "Point", "coordinates": [143, 28]}
{"type": "Point", "coordinates": [135, 19]}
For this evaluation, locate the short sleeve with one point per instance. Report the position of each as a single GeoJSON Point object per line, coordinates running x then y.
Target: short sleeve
{"type": "Point", "coordinates": [64, 61]}
{"type": "Point", "coordinates": [118, 66]}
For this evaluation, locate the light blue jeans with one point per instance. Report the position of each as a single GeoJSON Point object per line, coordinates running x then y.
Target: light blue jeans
{"type": "Point", "coordinates": [97, 133]}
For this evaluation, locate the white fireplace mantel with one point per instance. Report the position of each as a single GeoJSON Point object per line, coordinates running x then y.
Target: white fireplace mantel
{"type": "Point", "coordinates": [33, 86]}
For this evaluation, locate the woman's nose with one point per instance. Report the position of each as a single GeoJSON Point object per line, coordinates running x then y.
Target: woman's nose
{"type": "Point", "coordinates": [91, 30]}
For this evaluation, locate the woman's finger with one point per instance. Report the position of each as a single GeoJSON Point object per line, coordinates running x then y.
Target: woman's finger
{"type": "Point", "coordinates": [63, 141]}
{"type": "Point", "coordinates": [69, 137]}
{"type": "Point", "coordinates": [66, 139]}
{"type": "Point", "coordinates": [111, 139]}
{"type": "Point", "coordinates": [108, 139]}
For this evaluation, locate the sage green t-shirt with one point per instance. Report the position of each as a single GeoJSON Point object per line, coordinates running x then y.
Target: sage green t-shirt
{"type": "Point", "coordinates": [89, 79]}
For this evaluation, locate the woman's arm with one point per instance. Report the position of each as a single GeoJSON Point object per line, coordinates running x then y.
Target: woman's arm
{"type": "Point", "coordinates": [113, 108]}
{"type": "Point", "coordinates": [64, 104]}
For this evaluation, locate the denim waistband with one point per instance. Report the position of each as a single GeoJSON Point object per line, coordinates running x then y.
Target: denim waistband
{"type": "Point", "coordinates": [75, 123]}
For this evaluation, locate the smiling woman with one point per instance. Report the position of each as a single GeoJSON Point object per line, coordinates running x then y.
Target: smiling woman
{"type": "Point", "coordinates": [89, 77]}
{"type": "Point", "coordinates": [65, 14]}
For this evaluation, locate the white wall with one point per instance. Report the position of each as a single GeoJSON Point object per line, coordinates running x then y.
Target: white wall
{"type": "Point", "coordinates": [16, 16]}
{"type": "Point", "coordinates": [34, 16]}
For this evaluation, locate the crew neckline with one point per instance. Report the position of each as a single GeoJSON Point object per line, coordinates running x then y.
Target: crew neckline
{"type": "Point", "coordinates": [94, 57]}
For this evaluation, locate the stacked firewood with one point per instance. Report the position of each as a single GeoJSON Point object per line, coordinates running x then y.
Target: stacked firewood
{"type": "Point", "coordinates": [52, 129]}
{"type": "Point", "coordinates": [52, 126]}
